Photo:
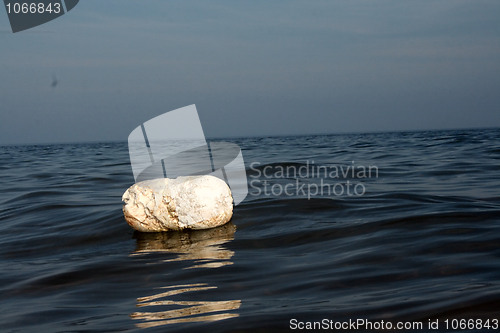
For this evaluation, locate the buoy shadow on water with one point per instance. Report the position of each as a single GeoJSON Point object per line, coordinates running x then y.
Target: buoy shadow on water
{"type": "Point", "coordinates": [185, 311]}
{"type": "Point", "coordinates": [204, 249]}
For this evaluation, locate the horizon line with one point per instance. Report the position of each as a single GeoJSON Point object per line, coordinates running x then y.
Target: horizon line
{"type": "Point", "coordinates": [212, 138]}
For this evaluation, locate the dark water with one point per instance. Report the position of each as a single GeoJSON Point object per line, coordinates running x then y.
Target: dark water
{"type": "Point", "coordinates": [419, 240]}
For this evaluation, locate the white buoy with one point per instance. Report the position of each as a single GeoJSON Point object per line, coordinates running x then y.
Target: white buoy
{"type": "Point", "coordinates": [193, 202]}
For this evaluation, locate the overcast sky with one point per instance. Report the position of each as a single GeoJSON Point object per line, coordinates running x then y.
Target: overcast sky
{"type": "Point", "coordinates": [252, 67]}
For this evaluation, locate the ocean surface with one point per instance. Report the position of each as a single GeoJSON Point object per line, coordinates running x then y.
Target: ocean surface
{"type": "Point", "coordinates": [394, 227]}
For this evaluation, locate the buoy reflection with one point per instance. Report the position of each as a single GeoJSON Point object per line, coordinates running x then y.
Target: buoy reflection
{"type": "Point", "coordinates": [204, 248]}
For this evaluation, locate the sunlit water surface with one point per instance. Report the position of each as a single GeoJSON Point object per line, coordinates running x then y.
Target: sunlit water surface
{"type": "Point", "coordinates": [419, 240]}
